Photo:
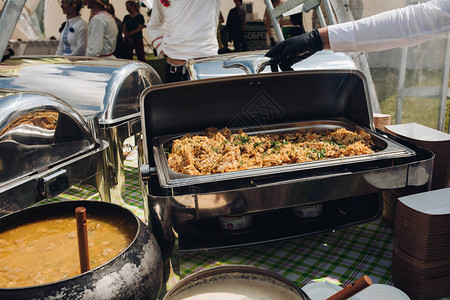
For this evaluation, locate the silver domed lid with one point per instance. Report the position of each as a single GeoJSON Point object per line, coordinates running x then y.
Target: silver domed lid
{"type": "Point", "coordinates": [38, 131]}
{"type": "Point", "coordinates": [108, 89]}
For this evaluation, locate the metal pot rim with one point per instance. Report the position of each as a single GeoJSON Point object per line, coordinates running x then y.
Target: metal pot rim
{"type": "Point", "coordinates": [230, 269]}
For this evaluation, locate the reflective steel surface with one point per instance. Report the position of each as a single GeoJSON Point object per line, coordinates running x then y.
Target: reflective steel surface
{"type": "Point", "coordinates": [255, 62]}
{"type": "Point", "coordinates": [108, 89]}
{"type": "Point", "coordinates": [45, 147]}
{"type": "Point", "coordinates": [37, 131]}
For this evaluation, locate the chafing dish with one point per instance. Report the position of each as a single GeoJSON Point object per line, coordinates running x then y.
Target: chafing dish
{"type": "Point", "coordinates": [349, 189]}
{"type": "Point", "coordinates": [254, 62]}
{"type": "Point", "coordinates": [108, 89]}
{"type": "Point", "coordinates": [46, 147]}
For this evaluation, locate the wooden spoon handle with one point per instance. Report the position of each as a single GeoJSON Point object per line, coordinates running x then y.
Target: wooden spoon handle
{"type": "Point", "coordinates": [352, 289]}
{"type": "Point", "coordinates": [83, 250]}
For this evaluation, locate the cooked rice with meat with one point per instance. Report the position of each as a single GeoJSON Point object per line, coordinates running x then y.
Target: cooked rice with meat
{"type": "Point", "coordinates": [222, 151]}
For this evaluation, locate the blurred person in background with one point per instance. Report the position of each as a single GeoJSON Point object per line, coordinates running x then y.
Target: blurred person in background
{"type": "Point", "coordinates": [119, 52]}
{"type": "Point", "coordinates": [403, 27]}
{"type": "Point", "coordinates": [236, 26]}
{"type": "Point", "coordinates": [102, 32]}
{"type": "Point", "coordinates": [222, 36]}
{"type": "Point", "coordinates": [133, 23]}
{"type": "Point", "coordinates": [74, 33]}
{"type": "Point", "coordinates": [284, 21]}
{"type": "Point", "coordinates": [181, 30]}
{"type": "Point", "coordinates": [8, 54]}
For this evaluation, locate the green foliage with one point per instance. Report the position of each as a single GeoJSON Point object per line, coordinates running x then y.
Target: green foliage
{"type": "Point", "coordinates": [419, 110]}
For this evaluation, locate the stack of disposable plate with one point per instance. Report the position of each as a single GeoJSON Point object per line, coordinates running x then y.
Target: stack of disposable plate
{"type": "Point", "coordinates": [421, 256]}
{"type": "Point", "coordinates": [381, 120]}
{"type": "Point", "coordinates": [390, 199]}
{"type": "Point", "coordinates": [389, 207]}
{"type": "Point", "coordinates": [433, 140]}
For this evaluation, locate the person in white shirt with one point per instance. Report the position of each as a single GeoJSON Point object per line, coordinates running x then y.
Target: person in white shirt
{"type": "Point", "coordinates": [74, 35]}
{"type": "Point", "coordinates": [103, 30]}
{"type": "Point", "coordinates": [407, 26]}
{"type": "Point", "coordinates": [183, 29]}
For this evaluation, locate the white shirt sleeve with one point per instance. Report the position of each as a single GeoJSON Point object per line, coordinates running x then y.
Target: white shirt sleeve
{"type": "Point", "coordinates": [60, 50]}
{"type": "Point", "coordinates": [155, 27]}
{"type": "Point", "coordinates": [402, 27]}
{"type": "Point", "coordinates": [82, 39]}
{"type": "Point", "coordinates": [95, 37]}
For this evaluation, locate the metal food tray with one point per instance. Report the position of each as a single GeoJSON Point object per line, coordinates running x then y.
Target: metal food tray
{"type": "Point", "coordinates": [386, 149]}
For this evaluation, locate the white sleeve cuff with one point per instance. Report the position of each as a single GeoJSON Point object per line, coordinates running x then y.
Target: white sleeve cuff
{"type": "Point", "coordinates": [342, 37]}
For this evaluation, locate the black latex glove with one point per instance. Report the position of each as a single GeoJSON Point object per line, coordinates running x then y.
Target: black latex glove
{"type": "Point", "coordinates": [295, 49]}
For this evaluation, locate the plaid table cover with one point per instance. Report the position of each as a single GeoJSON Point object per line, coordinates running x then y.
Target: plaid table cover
{"type": "Point", "coordinates": [339, 257]}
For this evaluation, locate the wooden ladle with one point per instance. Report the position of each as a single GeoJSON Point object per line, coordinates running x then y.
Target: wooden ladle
{"type": "Point", "coordinates": [352, 289]}
{"type": "Point", "coordinates": [83, 250]}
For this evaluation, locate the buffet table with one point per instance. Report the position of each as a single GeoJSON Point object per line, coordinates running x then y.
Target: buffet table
{"type": "Point", "coordinates": [339, 257]}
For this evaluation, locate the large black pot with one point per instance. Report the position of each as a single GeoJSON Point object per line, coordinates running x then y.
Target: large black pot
{"type": "Point", "coordinates": [136, 273]}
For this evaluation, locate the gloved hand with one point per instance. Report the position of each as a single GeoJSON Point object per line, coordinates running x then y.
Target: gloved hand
{"type": "Point", "coordinates": [295, 49]}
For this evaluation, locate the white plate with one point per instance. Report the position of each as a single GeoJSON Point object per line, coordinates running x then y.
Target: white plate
{"type": "Point", "coordinates": [382, 292]}
{"type": "Point", "coordinates": [323, 290]}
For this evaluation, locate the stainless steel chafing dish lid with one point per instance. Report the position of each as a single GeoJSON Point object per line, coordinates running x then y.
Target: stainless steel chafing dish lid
{"type": "Point", "coordinates": [38, 131]}
{"type": "Point", "coordinates": [254, 62]}
{"type": "Point", "coordinates": [106, 88]}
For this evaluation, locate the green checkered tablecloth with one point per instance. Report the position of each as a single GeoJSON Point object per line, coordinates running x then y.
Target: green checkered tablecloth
{"type": "Point", "coordinates": [339, 257]}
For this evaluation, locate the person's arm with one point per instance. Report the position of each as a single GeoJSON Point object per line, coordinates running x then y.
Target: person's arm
{"type": "Point", "coordinates": [82, 38]}
{"type": "Point", "coordinates": [124, 30]}
{"type": "Point", "coordinates": [323, 32]}
{"type": "Point", "coordinates": [137, 30]}
{"type": "Point", "coordinates": [407, 26]}
{"type": "Point", "coordinates": [140, 26]}
{"type": "Point", "coordinates": [154, 27]}
{"type": "Point", "coordinates": [96, 35]}
{"type": "Point", "coordinates": [60, 50]}
{"type": "Point", "coordinates": [267, 22]}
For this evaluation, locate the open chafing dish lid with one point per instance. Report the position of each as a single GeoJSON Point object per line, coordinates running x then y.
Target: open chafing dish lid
{"type": "Point", "coordinates": [254, 62]}
{"type": "Point", "coordinates": [106, 88]}
{"type": "Point", "coordinates": [252, 101]}
{"type": "Point", "coordinates": [38, 131]}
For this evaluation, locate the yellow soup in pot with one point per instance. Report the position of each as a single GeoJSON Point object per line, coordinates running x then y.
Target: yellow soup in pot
{"type": "Point", "coordinates": [47, 251]}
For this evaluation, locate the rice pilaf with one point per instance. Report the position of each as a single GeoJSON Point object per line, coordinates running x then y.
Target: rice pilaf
{"type": "Point", "coordinates": [222, 151]}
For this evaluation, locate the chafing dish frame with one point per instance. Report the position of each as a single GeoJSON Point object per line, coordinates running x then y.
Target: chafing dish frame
{"type": "Point", "coordinates": [175, 109]}
{"type": "Point", "coordinates": [46, 179]}
{"type": "Point", "coordinates": [116, 107]}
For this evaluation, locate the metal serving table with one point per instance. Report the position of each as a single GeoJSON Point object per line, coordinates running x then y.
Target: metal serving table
{"type": "Point", "coordinates": [108, 89]}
